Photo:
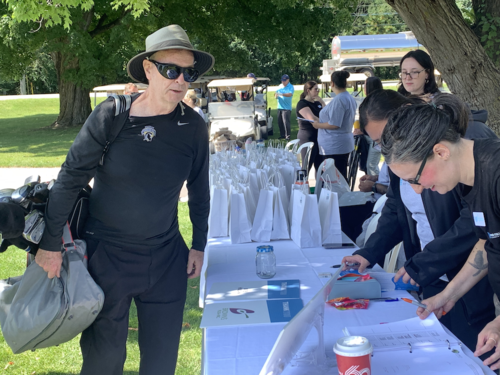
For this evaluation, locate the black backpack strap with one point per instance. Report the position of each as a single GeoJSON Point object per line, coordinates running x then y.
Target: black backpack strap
{"type": "Point", "coordinates": [122, 104]}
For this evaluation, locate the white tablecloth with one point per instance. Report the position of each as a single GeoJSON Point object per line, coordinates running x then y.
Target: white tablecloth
{"type": "Point", "coordinates": [243, 350]}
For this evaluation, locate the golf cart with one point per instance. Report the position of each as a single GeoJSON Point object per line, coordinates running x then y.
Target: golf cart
{"type": "Point", "coordinates": [202, 92]}
{"type": "Point", "coordinates": [236, 110]}
{"type": "Point", "coordinates": [355, 80]}
{"type": "Point", "coordinates": [117, 88]}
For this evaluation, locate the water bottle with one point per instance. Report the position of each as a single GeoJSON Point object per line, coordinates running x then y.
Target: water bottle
{"type": "Point", "coordinates": [265, 262]}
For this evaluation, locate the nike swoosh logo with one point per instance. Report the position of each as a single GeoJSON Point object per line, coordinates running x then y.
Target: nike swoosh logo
{"type": "Point", "coordinates": [182, 123]}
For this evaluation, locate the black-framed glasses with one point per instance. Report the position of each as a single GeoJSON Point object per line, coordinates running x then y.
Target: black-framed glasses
{"type": "Point", "coordinates": [172, 71]}
{"type": "Point", "coordinates": [413, 74]}
{"type": "Point", "coordinates": [414, 181]}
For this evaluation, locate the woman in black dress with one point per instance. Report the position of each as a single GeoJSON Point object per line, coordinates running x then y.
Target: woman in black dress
{"type": "Point", "coordinates": [308, 108]}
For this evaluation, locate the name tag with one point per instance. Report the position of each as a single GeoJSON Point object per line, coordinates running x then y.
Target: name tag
{"type": "Point", "coordinates": [479, 219]}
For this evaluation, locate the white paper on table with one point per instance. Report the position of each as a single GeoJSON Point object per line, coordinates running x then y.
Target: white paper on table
{"type": "Point", "coordinates": [429, 361]}
{"type": "Point", "coordinates": [400, 335]}
{"type": "Point", "coordinates": [354, 198]}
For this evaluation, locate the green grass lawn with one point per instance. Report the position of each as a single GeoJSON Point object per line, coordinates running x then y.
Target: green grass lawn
{"type": "Point", "coordinates": [66, 358]}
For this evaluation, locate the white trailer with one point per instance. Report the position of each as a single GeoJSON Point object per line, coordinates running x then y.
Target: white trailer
{"type": "Point", "coordinates": [363, 53]}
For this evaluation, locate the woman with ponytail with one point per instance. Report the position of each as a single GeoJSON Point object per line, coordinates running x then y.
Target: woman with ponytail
{"type": "Point", "coordinates": [307, 110]}
{"type": "Point", "coordinates": [423, 145]}
{"type": "Point", "coordinates": [335, 124]}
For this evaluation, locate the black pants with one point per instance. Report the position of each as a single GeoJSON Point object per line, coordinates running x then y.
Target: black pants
{"type": "Point", "coordinates": [341, 161]}
{"type": "Point", "coordinates": [156, 279]}
{"type": "Point", "coordinates": [315, 158]}
{"type": "Point", "coordinates": [284, 123]}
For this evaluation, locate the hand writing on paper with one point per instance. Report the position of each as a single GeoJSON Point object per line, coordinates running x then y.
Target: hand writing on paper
{"type": "Point", "coordinates": [367, 177]}
{"type": "Point", "coordinates": [363, 263]}
{"type": "Point", "coordinates": [440, 304]}
{"type": "Point", "coordinates": [486, 341]}
{"type": "Point", "coordinates": [195, 263]}
{"type": "Point", "coordinates": [402, 273]}
{"type": "Point", "coordinates": [366, 186]}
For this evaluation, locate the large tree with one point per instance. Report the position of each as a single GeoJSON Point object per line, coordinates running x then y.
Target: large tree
{"type": "Point", "coordinates": [90, 41]}
{"type": "Point", "coordinates": [466, 55]}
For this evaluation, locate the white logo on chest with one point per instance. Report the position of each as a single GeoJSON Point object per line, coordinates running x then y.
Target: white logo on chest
{"type": "Point", "coordinates": [148, 133]}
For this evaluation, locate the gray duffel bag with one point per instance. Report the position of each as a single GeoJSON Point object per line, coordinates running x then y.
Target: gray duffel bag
{"type": "Point", "coordinates": [37, 312]}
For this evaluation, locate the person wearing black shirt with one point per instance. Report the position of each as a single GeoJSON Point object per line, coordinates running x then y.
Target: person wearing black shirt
{"type": "Point", "coordinates": [436, 230]}
{"type": "Point", "coordinates": [422, 145]}
{"type": "Point", "coordinates": [134, 246]}
{"type": "Point", "coordinates": [308, 108]}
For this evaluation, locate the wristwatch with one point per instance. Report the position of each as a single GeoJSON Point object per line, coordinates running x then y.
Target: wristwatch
{"type": "Point", "coordinates": [374, 188]}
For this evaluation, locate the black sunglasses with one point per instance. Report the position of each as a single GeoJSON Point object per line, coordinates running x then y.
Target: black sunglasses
{"type": "Point", "coordinates": [172, 71]}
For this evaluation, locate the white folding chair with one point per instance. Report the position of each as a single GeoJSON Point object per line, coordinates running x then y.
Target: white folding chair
{"type": "Point", "coordinates": [309, 146]}
{"type": "Point", "coordinates": [292, 146]}
{"type": "Point", "coordinates": [391, 257]}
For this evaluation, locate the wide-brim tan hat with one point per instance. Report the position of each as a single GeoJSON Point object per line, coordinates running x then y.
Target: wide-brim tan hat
{"type": "Point", "coordinates": [170, 37]}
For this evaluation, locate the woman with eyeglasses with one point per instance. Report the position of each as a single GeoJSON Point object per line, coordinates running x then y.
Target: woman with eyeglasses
{"type": "Point", "coordinates": [336, 120]}
{"type": "Point", "coordinates": [423, 145]}
{"type": "Point", "coordinates": [436, 230]}
{"type": "Point", "coordinates": [307, 111]}
{"type": "Point", "coordinates": [417, 74]}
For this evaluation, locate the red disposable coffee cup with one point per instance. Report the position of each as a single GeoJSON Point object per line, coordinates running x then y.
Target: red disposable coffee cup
{"type": "Point", "coordinates": [353, 355]}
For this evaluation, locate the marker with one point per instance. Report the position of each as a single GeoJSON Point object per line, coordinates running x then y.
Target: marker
{"type": "Point", "coordinates": [347, 264]}
{"type": "Point", "coordinates": [416, 303]}
{"type": "Point", "coordinates": [386, 299]}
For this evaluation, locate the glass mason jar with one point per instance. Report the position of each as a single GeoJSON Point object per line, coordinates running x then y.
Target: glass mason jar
{"type": "Point", "coordinates": [265, 262]}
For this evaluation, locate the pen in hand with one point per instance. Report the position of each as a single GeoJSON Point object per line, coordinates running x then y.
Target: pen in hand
{"type": "Point", "coordinates": [416, 303]}
{"type": "Point", "coordinates": [347, 264]}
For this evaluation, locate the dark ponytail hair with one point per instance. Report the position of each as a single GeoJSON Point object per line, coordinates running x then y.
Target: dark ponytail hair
{"type": "Point", "coordinates": [379, 106]}
{"type": "Point", "coordinates": [412, 130]}
{"type": "Point", "coordinates": [339, 78]}
{"type": "Point", "coordinates": [307, 86]}
{"type": "Point", "coordinates": [372, 84]}
{"type": "Point", "coordinates": [423, 58]}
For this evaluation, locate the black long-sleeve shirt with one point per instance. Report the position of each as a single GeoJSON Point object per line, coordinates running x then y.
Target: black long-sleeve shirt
{"type": "Point", "coordinates": [135, 194]}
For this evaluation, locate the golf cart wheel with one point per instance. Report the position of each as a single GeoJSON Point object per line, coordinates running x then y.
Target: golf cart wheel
{"type": "Point", "coordinates": [367, 72]}
{"type": "Point", "coordinates": [263, 132]}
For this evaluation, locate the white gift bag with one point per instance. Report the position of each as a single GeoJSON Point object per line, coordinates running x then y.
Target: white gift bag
{"type": "Point", "coordinates": [306, 225]}
{"type": "Point", "coordinates": [287, 172]}
{"type": "Point", "coordinates": [263, 221]}
{"type": "Point", "coordinates": [254, 186]}
{"type": "Point", "coordinates": [280, 219]}
{"type": "Point", "coordinates": [328, 172]}
{"type": "Point", "coordinates": [239, 225]}
{"type": "Point", "coordinates": [218, 217]}
{"type": "Point", "coordinates": [249, 201]}
{"type": "Point", "coordinates": [329, 216]}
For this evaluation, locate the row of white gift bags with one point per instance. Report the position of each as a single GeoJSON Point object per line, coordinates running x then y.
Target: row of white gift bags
{"type": "Point", "coordinates": [219, 209]}
{"type": "Point", "coordinates": [329, 214]}
{"type": "Point", "coordinates": [240, 225]}
{"type": "Point", "coordinates": [306, 225]}
{"type": "Point", "coordinates": [263, 220]}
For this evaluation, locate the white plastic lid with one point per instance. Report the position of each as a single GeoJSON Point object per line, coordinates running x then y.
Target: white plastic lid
{"type": "Point", "coordinates": [353, 346]}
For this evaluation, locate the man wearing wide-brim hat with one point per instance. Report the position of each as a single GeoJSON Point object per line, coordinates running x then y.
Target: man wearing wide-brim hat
{"type": "Point", "coordinates": [134, 246]}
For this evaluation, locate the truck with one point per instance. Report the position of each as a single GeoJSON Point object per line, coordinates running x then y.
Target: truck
{"type": "Point", "coordinates": [363, 53]}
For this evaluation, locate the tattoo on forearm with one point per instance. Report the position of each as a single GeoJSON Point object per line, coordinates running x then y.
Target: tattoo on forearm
{"type": "Point", "coordinates": [479, 263]}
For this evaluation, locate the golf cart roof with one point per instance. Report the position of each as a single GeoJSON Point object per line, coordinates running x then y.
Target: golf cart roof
{"type": "Point", "coordinates": [119, 87]}
{"type": "Point", "coordinates": [206, 79]}
{"type": "Point", "coordinates": [233, 83]}
{"type": "Point", "coordinates": [354, 77]}
{"type": "Point", "coordinates": [262, 79]}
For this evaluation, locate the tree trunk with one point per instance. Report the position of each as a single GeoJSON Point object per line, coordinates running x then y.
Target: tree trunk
{"type": "Point", "coordinates": [456, 52]}
{"type": "Point", "coordinates": [74, 100]}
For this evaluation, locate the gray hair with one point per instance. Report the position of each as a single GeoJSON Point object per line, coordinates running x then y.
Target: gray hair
{"type": "Point", "coordinates": [413, 130]}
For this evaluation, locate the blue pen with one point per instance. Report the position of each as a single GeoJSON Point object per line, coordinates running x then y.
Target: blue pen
{"type": "Point", "coordinates": [384, 299]}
